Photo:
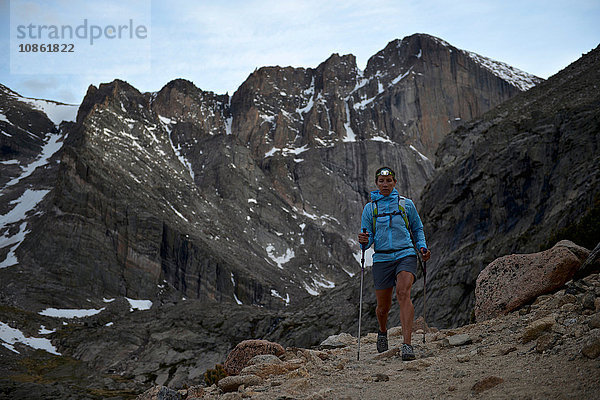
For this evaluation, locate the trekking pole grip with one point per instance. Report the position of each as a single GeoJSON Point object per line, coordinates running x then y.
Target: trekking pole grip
{"type": "Point", "coordinates": [362, 246]}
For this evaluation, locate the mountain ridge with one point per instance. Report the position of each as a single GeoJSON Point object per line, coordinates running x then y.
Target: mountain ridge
{"type": "Point", "coordinates": [247, 203]}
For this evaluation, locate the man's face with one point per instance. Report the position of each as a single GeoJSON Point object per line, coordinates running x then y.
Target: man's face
{"type": "Point", "coordinates": [385, 184]}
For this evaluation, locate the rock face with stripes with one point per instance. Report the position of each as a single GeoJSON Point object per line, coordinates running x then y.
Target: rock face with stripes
{"type": "Point", "coordinates": [252, 198]}
{"type": "Point", "coordinates": [246, 200]}
{"type": "Point", "coordinates": [516, 180]}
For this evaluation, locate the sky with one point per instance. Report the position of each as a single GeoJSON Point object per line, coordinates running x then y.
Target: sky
{"type": "Point", "coordinates": [217, 44]}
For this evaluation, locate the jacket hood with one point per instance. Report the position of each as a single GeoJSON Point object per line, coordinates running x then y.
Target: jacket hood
{"type": "Point", "coordinates": [376, 196]}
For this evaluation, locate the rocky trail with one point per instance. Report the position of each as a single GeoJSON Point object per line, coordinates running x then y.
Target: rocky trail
{"type": "Point", "coordinates": [548, 349]}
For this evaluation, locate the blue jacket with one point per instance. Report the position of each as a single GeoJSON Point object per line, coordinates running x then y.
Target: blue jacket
{"type": "Point", "coordinates": [392, 235]}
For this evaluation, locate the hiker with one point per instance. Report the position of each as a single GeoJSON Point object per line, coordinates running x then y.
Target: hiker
{"type": "Point", "coordinates": [395, 260]}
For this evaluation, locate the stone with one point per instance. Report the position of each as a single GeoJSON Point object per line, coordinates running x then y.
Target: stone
{"type": "Point", "coordinates": [370, 338]}
{"type": "Point", "coordinates": [266, 370]}
{"type": "Point", "coordinates": [569, 307]}
{"type": "Point", "coordinates": [462, 358]}
{"type": "Point", "coordinates": [594, 321]}
{"type": "Point", "coordinates": [195, 391]}
{"type": "Point", "coordinates": [459, 340]}
{"type": "Point", "coordinates": [338, 341]}
{"type": "Point", "coordinates": [300, 372]}
{"type": "Point", "coordinates": [417, 365]}
{"type": "Point", "coordinates": [241, 355]}
{"type": "Point", "coordinates": [512, 281]}
{"type": "Point", "coordinates": [323, 394]}
{"type": "Point", "coordinates": [159, 393]}
{"type": "Point", "coordinates": [506, 349]}
{"type": "Point", "coordinates": [537, 327]}
{"type": "Point", "coordinates": [420, 324]}
{"type": "Point", "coordinates": [486, 384]}
{"type": "Point", "coordinates": [380, 378]}
{"type": "Point", "coordinates": [314, 357]}
{"type": "Point", "coordinates": [395, 331]}
{"type": "Point", "coordinates": [434, 337]}
{"type": "Point", "coordinates": [588, 301]}
{"type": "Point", "coordinates": [591, 347]}
{"type": "Point", "coordinates": [567, 299]}
{"type": "Point", "coordinates": [545, 342]}
{"type": "Point", "coordinates": [393, 352]}
{"type": "Point", "coordinates": [232, 383]}
{"type": "Point", "coordinates": [542, 299]}
{"type": "Point", "coordinates": [231, 396]}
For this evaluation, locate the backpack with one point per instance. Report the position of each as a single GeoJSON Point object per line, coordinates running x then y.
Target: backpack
{"type": "Point", "coordinates": [401, 211]}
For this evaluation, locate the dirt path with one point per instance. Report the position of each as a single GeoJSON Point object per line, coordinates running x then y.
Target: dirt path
{"type": "Point", "coordinates": [548, 350]}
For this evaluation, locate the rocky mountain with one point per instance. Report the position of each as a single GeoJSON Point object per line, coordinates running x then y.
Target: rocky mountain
{"type": "Point", "coordinates": [251, 199]}
{"type": "Point", "coordinates": [206, 205]}
{"type": "Point", "coordinates": [517, 179]}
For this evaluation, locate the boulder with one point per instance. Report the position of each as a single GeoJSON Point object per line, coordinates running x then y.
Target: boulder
{"type": "Point", "coordinates": [337, 341]}
{"type": "Point", "coordinates": [266, 370]}
{"type": "Point", "coordinates": [232, 383]}
{"type": "Point", "coordinates": [512, 281]}
{"type": "Point", "coordinates": [591, 347]}
{"type": "Point", "coordinates": [240, 356]}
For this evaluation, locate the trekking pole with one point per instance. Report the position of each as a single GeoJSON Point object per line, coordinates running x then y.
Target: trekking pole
{"type": "Point", "coordinates": [362, 272]}
{"type": "Point", "coordinates": [424, 266]}
{"type": "Point", "coordinates": [424, 263]}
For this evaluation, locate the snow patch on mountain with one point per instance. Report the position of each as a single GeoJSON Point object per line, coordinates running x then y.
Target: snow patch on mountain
{"type": "Point", "coordinates": [279, 259]}
{"type": "Point", "coordinates": [313, 288]}
{"type": "Point", "coordinates": [512, 75]}
{"type": "Point", "coordinates": [52, 145]}
{"type": "Point", "coordinates": [166, 123]}
{"type": "Point", "coordinates": [23, 205]}
{"type": "Point", "coordinates": [286, 299]}
{"type": "Point", "coordinates": [238, 301]}
{"type": "Point", "coordinates": [11, 336]}
{"type": "Point", "coordinates": [55, 111]}
{"type": "Point", "coordinates": [70, 313]}
{"type": "Point", "coordinates": [350, 135]}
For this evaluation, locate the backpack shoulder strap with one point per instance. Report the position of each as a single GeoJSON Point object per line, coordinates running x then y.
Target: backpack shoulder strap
{"type": "Point", "coordinates": [402, 209]}
{"type": "Point", "coordinates": [374, 214]}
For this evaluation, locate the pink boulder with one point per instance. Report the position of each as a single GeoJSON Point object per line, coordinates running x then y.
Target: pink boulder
{"type": "Point", "coordinates": [240, 356]}
{"type": "Point", "coordinates": [512, 281]}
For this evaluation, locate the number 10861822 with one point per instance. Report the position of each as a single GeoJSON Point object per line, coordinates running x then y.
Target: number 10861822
{"type": "Point", "coordinates": [46, 48]}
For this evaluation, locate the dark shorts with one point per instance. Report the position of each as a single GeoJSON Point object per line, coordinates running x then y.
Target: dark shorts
{"type": "Point", "coordinates": [384, 273]}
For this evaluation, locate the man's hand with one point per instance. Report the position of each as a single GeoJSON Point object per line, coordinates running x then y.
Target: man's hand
{"type": "Point", "coordinates": [363, 238]}
{"type": "Point", "coordinates": [425, 253]}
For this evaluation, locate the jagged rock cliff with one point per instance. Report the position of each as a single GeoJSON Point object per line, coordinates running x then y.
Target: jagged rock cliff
{"type": "Point", "coordinates": [251, 201]}
{"type": "Point", "coordinates": [517, 179]}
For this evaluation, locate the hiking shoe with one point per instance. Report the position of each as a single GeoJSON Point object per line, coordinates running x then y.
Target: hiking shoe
{"type": "Point", "coordinates": [382, 342]}
{"type": "Point", "coordinates": [407, 352]}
